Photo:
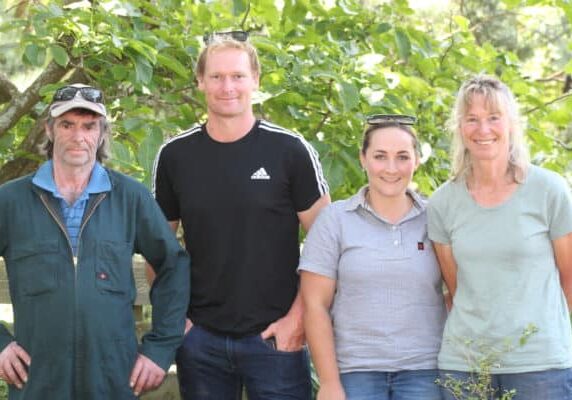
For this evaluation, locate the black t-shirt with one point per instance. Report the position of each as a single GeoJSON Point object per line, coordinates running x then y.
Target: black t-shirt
{"type": "Point", "coordinates": [237, 203]}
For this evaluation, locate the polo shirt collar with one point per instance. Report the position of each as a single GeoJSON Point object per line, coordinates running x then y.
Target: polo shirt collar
{"type": "Point", "coordinates": [99, 181]}
{"type": "Point", "coordinates": [358, 201]}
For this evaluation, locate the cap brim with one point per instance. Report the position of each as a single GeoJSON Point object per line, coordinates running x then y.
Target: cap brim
{"type": "Point", "coordinates": [60, 107]}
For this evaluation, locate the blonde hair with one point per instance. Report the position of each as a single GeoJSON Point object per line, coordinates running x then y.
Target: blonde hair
{"type": "Point", "coordinates": [226, 42]}
{"type": "Point", "coordinates": [497, 97]}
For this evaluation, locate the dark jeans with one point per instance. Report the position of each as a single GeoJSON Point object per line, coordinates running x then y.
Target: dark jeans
{"type": "Point", "coordinates": [215, 367]}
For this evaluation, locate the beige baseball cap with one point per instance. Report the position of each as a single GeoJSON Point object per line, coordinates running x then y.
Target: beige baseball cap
{"type": "Point", "coordinates": [77, 95]}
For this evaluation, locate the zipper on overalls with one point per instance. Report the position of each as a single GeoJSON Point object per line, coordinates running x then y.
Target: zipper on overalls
{"type": "Point", "coordinates": [54, 215]}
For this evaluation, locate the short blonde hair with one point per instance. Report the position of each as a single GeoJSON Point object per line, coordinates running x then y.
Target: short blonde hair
{"type": "Point", "coordinates": [226, 42]}
{"type": "Point", "coordinates": [497, 97]}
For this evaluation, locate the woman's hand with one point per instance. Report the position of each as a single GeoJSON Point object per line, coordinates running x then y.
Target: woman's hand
{"type": "Point", "coordinates": [331, 391]}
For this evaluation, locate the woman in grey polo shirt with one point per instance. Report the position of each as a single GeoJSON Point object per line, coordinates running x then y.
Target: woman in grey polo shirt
{"type": "Point", "coordinates": [502, 232]}
{"type": "Point", "coordinates": [371, 286]}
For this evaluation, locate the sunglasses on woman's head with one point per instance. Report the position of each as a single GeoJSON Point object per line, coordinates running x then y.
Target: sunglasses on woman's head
{"type": "Point", "coordinates": [378, 119]}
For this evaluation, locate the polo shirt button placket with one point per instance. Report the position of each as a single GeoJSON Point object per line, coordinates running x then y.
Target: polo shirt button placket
{"type": "Point", "coordinates": [395, 235]}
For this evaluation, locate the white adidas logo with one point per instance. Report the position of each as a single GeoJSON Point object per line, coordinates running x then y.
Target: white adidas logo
{"type": "Point", "coordinates": [261, 174]}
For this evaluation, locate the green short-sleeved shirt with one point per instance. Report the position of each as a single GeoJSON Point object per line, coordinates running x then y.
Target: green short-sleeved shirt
{"type": "Point", "coordinates": [507, 277]}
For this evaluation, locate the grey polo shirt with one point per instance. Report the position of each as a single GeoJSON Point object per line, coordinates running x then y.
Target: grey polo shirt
{"type": "Point", "coordinates": [388, 311]}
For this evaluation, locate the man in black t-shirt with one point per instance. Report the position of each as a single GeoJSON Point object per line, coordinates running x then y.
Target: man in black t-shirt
{"type": "Point", "coordinates": [241, 187]}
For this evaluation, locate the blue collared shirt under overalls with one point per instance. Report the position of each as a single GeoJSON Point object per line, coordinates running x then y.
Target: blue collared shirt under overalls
{"type": "Point", "coordinates": [98, 182]}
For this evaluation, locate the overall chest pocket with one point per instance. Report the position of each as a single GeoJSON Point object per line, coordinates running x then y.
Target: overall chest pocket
{"type": "Point", "coordinates": [33, 267]}
{"type": "Point", "coordinates": [113, 272]}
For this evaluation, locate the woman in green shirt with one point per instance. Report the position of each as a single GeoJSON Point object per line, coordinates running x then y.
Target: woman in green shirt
{"type": "Point", "coordinates": [501, 229]}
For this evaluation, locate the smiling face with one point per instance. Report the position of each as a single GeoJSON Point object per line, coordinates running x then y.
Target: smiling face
{"type": "Point", "coordinates": [485, 131]}
{"type": "Point", "coordinates": [389, 161]}
{"type": "Point", "coordinates": [228, 83]}
{"type": "Point", "coordinates": [76, 137]}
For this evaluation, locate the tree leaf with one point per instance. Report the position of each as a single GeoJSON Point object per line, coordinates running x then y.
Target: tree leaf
{"type": "Point", "coordinates": [174, 65]}
{"type": "Point", "coordinates": [383, 27]}
{"type": "Point", "coordinates": [120, 153]}
{"type": "Point", "coordinates": [144, 49]}
{"type": "Point", "coordinates": [297, 114]}
{"type": "Point", "coordinates": [334, 171]}
{"type": "Point", "coordinates": [568, 67]}
{"type": "Point", "coordinates": [353, 166]}
{"type": "Point", "coordinates": [55, 10]}
{"type": "Point", "coordinates": [238, 7]}
{"type": "Point", "coordinates": [324, 74]}
{"type": "Point", "coordinates": [143, 70]}
{"type": "Point", "coordinates": [148, 149]}
{"type": "Point", "coordinates": [119, 72]}
{"type": "Point", "coordinates": [461, 22]}
{"type": "Point", "coordinates": [132, 124]}
{"type": "Point", "coordinates": [59, 54]}
{"type": "Point", "coordinates": [403, 43]}
{"type": "Point", "coordinates": [349, 95]}
{"type": "Point", "coordinates": [34, 54]}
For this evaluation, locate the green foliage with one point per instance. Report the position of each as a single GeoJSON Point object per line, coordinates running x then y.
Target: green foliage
{"type": "Point", "coordinates": [483, 359]}
{"type": "Point", "coordinates": [325, 67]}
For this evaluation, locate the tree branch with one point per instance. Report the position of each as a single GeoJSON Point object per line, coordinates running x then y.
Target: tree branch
{"type": "Point", "coordinates": [27, 159]}
{"type": "Point", "coordinates": [327, 114]}
{"type": "Point", "coordinates": [559, 76]}
{"type": "Point", "coordinates": [452, 37]}
{"type": "Point", "coordinates": [27, 154]}
{"type": "Point", "coordinates": [22, 104]}
{"type": "Point", "coordinates": [563, 145]}
{"type": "Point", "coordinates": [8, 90]}
{"type": "Point", "coordinates": [325, 118]}
{"type": "Point", "coordinates": [569, 94]}
{"type": "Point", "coordinates": [243, 22]}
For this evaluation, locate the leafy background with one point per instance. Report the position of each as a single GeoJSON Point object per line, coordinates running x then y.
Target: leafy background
{"type": "Point", "coordinates": [326, 65]}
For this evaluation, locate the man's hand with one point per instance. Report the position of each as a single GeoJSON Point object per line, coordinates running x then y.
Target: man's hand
{"type": "Point", "coordinates": [146, 375]}
{"type": "Point", "coordinates": [13, 363]}
{"type": "Point", "coordinates": [288, 332]}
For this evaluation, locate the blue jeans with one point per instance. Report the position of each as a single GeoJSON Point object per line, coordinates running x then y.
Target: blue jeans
{"type": "Point", "coordinates": [215, 367]}
{"type": "Point", "coordinates": [401, 385]}
{"type": "Point", "coordinates": [553, 384]}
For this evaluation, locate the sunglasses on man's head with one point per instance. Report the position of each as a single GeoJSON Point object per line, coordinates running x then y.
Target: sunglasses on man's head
{"type": "Point", "coordinates": [240, 36]}
{"type": "Point", "coordinates": [69, 92]}
{"type": "Point", "coordinates": [378, 119]}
